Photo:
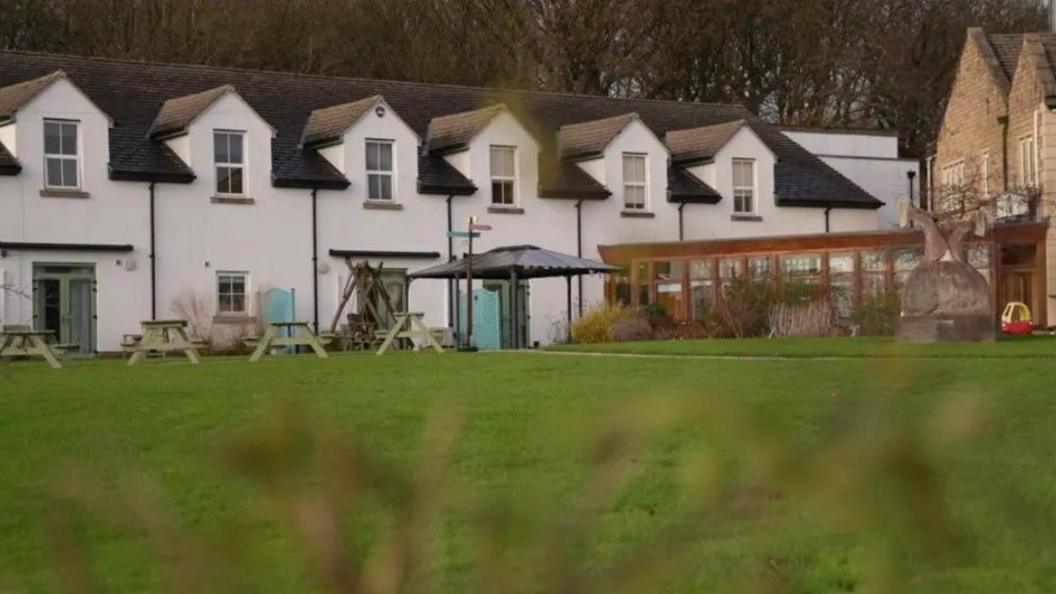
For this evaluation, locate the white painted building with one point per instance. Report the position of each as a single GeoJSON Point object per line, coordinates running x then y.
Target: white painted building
{"type": "Point", "coordinates": [870, 159]}
{"type": "Point", "coordinates": [131, 191]}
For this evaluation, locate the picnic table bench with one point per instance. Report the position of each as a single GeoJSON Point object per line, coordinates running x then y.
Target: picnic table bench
{"type": "Point", "coordinates": [163, 336]}
{"type": "Point", "coordinates": [298, 334]}
{"type": "Point", "coordinates": [22, 341]}
{"type": "Point", "coordinates": [415, 328]}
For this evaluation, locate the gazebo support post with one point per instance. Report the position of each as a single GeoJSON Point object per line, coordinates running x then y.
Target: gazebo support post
{"type": "Point", "coordinates": [515, 322]}
{"type": "Point", "coordinates": [568, 309]}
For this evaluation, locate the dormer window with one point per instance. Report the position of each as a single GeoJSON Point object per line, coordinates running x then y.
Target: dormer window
{"type": "Point", "coordinates": [744, 186]}
{"type": "Point", "coordinates": [61, 155]}
{"type": "Point", "coordinates": [503, 175]}
{"type": "Point", "coordinates": [379, 170]}
{"type": "Point", "coordinates": [634, 184]}
{"type": "Point", "coordinates": [229, 156]}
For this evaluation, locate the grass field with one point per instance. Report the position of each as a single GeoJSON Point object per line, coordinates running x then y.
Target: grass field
{"type": "Point", "coordinates": [528, 423]}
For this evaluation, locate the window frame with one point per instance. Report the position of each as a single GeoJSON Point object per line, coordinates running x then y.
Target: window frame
{"type": "Point", "coordinates": [246, 292]}
{"type": "Point", "coordinates": [643, 184]}
{"type": "Point", "coordinates": [1028, 167]}
{"type": "Point", "coordinates": [503, 179]}
{"type": "Point", "coordinates": [63, 157]}
{"type": "Point", "coordinates": [230, 165]}
{"type": "Point", "coordinates": [381, 173]}
{"type": "Point", "coordinates": [752, 190]}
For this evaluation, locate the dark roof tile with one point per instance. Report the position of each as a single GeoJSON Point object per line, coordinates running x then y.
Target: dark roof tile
{"type": "Point", "coordinates": [683, 186]}
{"type": "Point", "coordinates": [437, 176]}
{"type": "Point", "coordinates": [9, 165]}
{"type": "Point", "coordinates": [564, 179]}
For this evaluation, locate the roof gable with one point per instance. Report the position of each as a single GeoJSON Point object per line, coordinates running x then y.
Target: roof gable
{"type": "Point", "coordinates": [9, 165]}
{"type": "Point", "coordinates": [701, 144]}
{"type": "Point", "coordinates": [177, 115]}
{"type": "Point", "coordinates": [329, 124]}
{"type": "Point", "coordinates": [455, 131]}
{"type": "Point", "coordinates": [16, 96]}
{"type": "Point", "coordinates": [590, 139]}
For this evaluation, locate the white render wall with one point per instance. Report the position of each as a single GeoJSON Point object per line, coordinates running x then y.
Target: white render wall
{"type": "Point", "coordinates": [271, 239]}
{"type": "Point", "coordinates": [869, 160]}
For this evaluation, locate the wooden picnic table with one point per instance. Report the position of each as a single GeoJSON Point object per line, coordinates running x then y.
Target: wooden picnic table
{"type": "Point", "coordinates": [24, 342]}
{"type": "Point", "coordinates": [416, 328]}
{"type": "Point", "coordinates": [300, 334]}
{"type": "Point", "coordinates": [163, 336]}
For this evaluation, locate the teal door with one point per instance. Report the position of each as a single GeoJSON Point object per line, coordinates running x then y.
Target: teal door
{"type": "Point", "coordinates": [487, 321]}
{"type": "Point", "coordinates": [508, 318]}
{"type": "Point", "coordinates": [64, 303]}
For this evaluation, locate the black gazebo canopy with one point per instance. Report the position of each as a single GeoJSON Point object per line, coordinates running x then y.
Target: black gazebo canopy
{"type": "Point", "coordinates": [520, 262]}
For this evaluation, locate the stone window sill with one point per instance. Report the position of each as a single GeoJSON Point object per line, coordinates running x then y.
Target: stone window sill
{"type": "Point", "coordinates": [505, 210]}
{"type": "Point", "coordinates": [746, 218]}
{"type": "Point", "coordinates": [234, 319]}
{"type": "Point", "coordinates": [57, 193]}
{"type": "Point", "coordinates": [637, 214]}
{"type": "Point", "coordinates": [232, 200]}
{"type": "Point", "coordinates": [380, 205]}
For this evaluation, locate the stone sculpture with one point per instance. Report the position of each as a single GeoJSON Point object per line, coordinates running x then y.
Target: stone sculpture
{"type": "Point", "coordinates": [945, 299]}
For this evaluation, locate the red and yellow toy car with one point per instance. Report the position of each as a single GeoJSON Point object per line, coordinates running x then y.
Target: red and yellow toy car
{"type": "Point", "coordinates": [1016, 319]}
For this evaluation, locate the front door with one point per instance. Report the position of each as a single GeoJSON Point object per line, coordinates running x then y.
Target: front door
{"type": "Point", "coordinates": [509, 318]}
{"type": "Point", "coordinates": [1019, 286]}
{"type": "Point", "coordinates": [64, 303]}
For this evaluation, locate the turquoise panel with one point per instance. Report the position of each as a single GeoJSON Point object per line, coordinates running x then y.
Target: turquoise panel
{"type": "Point", "coordinates": [487, 324]}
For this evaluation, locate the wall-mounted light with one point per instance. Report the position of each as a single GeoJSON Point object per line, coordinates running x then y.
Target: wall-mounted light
{"type": "Point", "coordinates": [379, 111]}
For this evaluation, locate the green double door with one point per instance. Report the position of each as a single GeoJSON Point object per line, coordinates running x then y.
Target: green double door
{"type": "Point", "coordinates": [64, 303]}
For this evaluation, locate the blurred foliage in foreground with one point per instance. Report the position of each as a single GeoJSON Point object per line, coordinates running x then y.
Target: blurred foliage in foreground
{"type": "Point", "coordinates": [362, 523]}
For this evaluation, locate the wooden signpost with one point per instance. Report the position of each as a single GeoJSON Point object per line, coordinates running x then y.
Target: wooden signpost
{"type": "Point", "coordinates": [473, 230]}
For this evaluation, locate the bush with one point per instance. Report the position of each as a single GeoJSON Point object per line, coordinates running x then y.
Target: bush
{"type": "Point", "coordinates": [743, 310]}
{"type": "Point", "coordinates": [632, 328]}
{"type": "Point", "coordinates": [878, 315]}
{"type": "Point", "coordinates": [596, 325]}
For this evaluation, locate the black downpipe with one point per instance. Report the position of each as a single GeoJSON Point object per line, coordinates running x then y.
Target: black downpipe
{"type": "Point", "coordinates": [153, 260]}
{"type": "Point", "coordinates": [579, 252]}
{"type": "Point", "coordinates": [452, 286]}
{"type": "Point", "coordinates": [828, 209]}
{"type": "Point", "coordinates": [1003, 120]}
{"type": "Point", "coordinates": [315, 260]}
{"type": "Point", "coordinates": [681, 229]}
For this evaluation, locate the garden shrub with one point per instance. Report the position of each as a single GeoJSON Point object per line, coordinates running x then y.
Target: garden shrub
{"type": "Point", "coordinates": [877, 315]}
{"type": "Point", "coordinates": [632, 328]}
{"type": "Point", "coordinates": [596, 325]}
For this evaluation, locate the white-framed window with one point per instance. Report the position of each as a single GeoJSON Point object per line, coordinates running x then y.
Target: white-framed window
{"type": "Point", "coordinates": [744, 186]}
{"type": "Point", "coordinates": [232, 293]}
{"type": "Point", "coordinates": [62, 169]}
{"type": "Point", "coordinates": [1027, 166]}
{"type": "Point", "coordinates": [953, 176]}
{"type": "Point", "coordinates": [379, 170]}
{"type": "Point", "coordinates": [635, 186]}
{"type": "Point", "coordinates": [230, 158]}
{"type": "Point", "coordinates": [503, 175]}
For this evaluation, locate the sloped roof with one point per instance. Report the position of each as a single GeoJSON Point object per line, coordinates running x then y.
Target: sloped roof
{"type": "Point", "coordinates": [437, 176]}
{"type": "Point", "coordinates": [132, 91]}
{"type": "Point", "coordinates": [329, 124]}
{"type": "Point", "coordinates": [177, 114]}
{"type": "Point", "coordinates": [528, 260]}
{"type": "Point", "coordinates": [683, 186]}
{"type": "Point", "coordinates": [1006, 48]}
{"type": "Point", "coordinates": [701, 144]}
{"type": "Point", "coordinates": [588, 139]}
{"type": "Point", "coordinates": [564, 179]}
{"type": "Point", "coordinates": [9, 165]}
{"type": "Point", "coordinates": [14, 96]}
{"type": "Point", "coordinates": [453, 131]}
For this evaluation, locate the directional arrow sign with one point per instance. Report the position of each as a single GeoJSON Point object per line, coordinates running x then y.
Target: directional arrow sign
{"type": "Point", "coordinates": [478, 227]}
{"type": "Point", "coordinates": [462, 234]}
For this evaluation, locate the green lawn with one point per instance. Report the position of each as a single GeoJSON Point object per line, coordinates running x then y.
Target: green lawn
{"type": "Point", "coordinates": [528, 422]}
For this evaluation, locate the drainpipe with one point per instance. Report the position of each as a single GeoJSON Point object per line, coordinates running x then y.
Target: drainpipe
{"type": "Point", "coordinates": [1003, 120]}
{"type": "Point", "coordinates": [451, 286]}
{"type": "Point", "coordinates": [315, 260]}
{"type": "Point", "coordinates": [579, 251]}
{"type": "Point", "coordinates": [828, 209]}
{"type": "Point", "coordinates": [681, 230]}
{"type": "Point", "coordinates": [153, 260]}
{"type": "Point", "coordinates": [911, 175]}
